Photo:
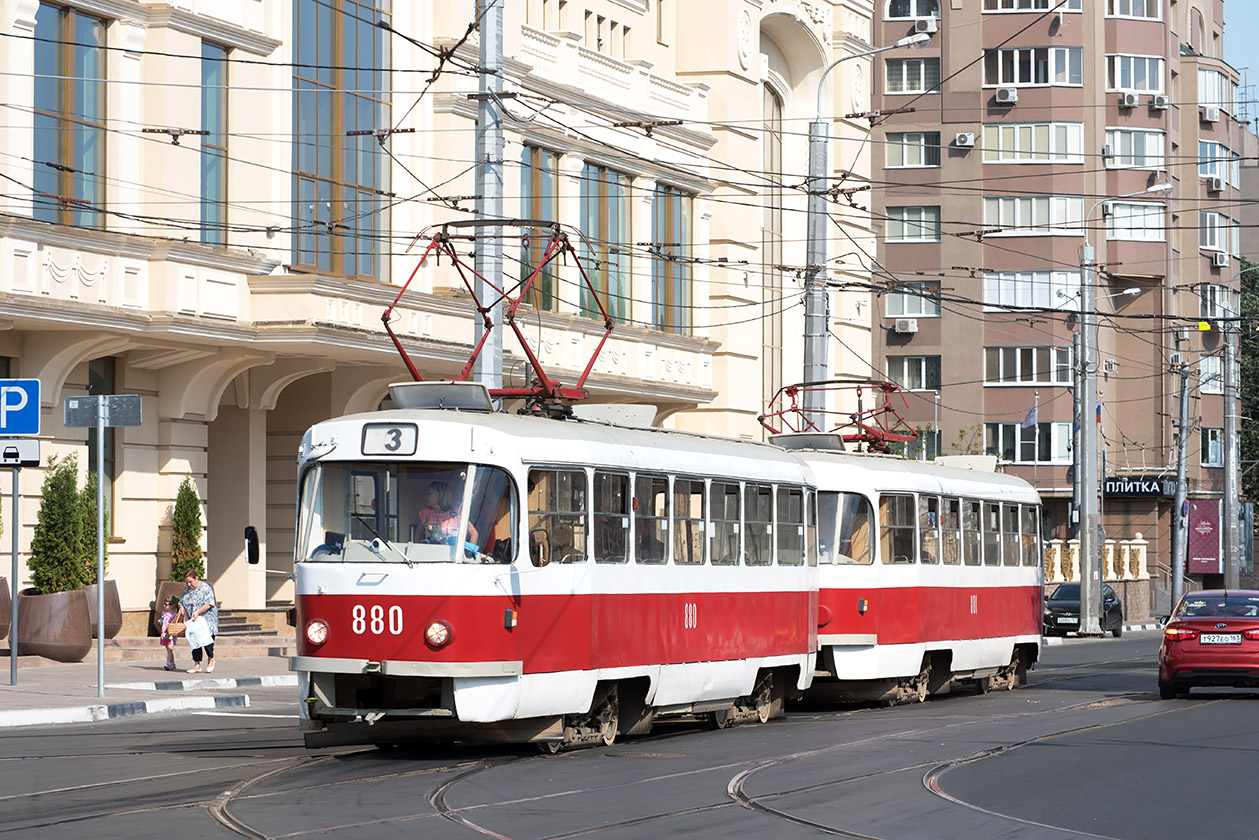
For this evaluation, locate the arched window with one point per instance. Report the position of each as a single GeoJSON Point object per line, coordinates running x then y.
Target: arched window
{"type": "Point", "coordinates": [1195, 30]}
{"type": "Point", "coordinates": [772, 247]}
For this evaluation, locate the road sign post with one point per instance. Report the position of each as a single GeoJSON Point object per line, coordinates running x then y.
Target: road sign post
{"type": "Point", "coordinates": [19, 423]}
{"type": "Point", "coordinates": [101, 411]}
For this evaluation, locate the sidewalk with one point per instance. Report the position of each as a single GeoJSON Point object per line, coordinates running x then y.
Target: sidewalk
{"type": "Point", "coordinates": [67, 693]}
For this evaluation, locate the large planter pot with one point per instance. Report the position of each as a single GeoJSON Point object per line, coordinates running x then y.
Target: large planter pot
{"type": "Point", "coordinates": [165, 589]}
{"type": "Point", "coordinates": [56, 626]}
{"type": "Point", "coordinates": [113, 608]}
{"type": "Point", "coordinates": [6, 608]}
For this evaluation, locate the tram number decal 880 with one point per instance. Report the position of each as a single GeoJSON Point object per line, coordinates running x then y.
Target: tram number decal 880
{"type": "Point", "coordinates": [373, 621]}
{"type": "Point", "coordinates": [690, 616]}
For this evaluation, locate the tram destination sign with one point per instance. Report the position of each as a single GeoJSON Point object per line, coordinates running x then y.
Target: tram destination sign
{"type": "Point", "coordinates": [1139, 487]}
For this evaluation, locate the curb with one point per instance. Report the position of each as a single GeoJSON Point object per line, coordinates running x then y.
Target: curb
{"type": "Point", "coordinates": [284, 680]}
{"type": "Point", "coordinates": [1133, 628]}
{"type": "Point", "coordinates": [113, 711]}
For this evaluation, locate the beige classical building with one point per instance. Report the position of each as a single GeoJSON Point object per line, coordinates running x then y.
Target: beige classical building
{"type": "Point", "coordinates": [188, 216]}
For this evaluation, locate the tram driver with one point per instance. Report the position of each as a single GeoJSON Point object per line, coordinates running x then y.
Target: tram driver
{"type": "Point", "coordinates": [440, 516]}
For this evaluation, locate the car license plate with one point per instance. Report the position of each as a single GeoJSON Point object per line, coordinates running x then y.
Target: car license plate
{"type": "Point", "coordinates": [1068, 619]}
{"type": "Point", "coordinates": [1221, 638]}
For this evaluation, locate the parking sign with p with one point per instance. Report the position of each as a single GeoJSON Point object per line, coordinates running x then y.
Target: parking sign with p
{"type": "Point", "coordinates": [19, 407]}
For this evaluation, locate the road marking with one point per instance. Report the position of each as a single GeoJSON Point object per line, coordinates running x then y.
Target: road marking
{"type": "Point", "coordinates": [244, 714]}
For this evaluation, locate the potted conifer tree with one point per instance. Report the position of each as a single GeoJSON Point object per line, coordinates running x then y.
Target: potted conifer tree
{"type": "Point", "coordinates": [56, 622]}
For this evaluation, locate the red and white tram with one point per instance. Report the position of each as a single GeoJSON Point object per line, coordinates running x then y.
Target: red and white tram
{"type": "Point", "coordinates": [928, 575]}
{"type": "Point", "coordinates": [482, 576]}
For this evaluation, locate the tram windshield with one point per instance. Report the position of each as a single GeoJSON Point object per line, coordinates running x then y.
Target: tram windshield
{"type": "Point", "coordinates": [369, 512]}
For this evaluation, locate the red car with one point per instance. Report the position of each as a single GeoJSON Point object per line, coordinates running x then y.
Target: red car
{"type": "Point", "coordinates": [1211, 639]}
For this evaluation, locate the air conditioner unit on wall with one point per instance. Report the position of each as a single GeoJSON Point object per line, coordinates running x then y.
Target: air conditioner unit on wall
{"type": "Point", "coordinates": [1210, 113]}
{"type": "Point", "coordinates": [1215, 183]}
{"type": "Point", "coordinates": [965, 139]}
{"type": "Point", "coordinates": [1007, 96]}
{"type": "Point", "coordinates": [1219, 260]}
{"type": "Point", "coordinates": [1160, 102]}
{"type": "Point", "coordinates": [905, 326]}
{"type": "Point", "coordinates": [928, 26]}
{"type": "Point", "coordinates": [1108, 155]}
{"type": "Point", "coordinates": [1129, 100]}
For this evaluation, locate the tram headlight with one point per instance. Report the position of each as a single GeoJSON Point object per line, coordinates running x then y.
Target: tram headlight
{"type": "Point", "coordinates": [316, 632]}
{"type": "Point", "coordinates": [437, 634]}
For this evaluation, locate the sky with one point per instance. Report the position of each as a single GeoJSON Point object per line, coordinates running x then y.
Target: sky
{"type": "Point", "coordinates": [1241, 27]}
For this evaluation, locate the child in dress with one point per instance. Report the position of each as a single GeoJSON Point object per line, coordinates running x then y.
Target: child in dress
{"type": "Point", "coordinates": [169, 611]}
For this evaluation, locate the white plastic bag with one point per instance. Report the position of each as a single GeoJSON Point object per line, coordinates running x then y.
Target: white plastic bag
{"type": "Point", "coordinates": [198, 633]}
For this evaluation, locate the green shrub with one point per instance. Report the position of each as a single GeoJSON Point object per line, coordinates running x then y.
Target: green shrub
{"type": "Point", "coordinates": [185, 541]}
{"type": "Point", "coordinates": [56, 561]}
{"type": "Point", "coordinates": [87, 506]}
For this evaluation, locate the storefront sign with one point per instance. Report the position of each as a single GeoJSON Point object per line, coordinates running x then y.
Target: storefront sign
{"type": "Point", "coordinates": [1139, 487]}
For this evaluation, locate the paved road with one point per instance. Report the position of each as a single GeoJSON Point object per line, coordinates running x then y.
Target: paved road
{"type": "Point", "coordinates": [1086, 750]}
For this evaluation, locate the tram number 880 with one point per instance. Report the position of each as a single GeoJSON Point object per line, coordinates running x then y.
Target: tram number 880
{"type": "Point", "coordinates": [374, 620]}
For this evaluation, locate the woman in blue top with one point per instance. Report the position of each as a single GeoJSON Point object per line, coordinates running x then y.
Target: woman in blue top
{"type": "Point", "coordinates": [198, 600]}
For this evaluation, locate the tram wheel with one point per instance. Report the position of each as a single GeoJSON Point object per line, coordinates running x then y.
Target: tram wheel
{"type": "Point", "coordinates": [719, 719]}
{"type": "Point", "coordinates": [609, 719]}
{"type": "Point", "coordinates": [919, 691]}
{"type": "Point", "coordinates": [764, 697]}
{"type": "Point", "coordinates": [550, 747]}
{"type": "Point", "coordinates": [983, 685]}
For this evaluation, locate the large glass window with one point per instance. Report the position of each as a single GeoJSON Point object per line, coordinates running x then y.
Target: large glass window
{"type": "Point", "coordinates": [844, 522]}
{"type": "Point", "coordinates": [213, 144]}
{"type": "Point", "coordinates": [772, 303]}
{"type": "Point", "coordinates": [1135, 221]}
{"type": "Point", "coordinates": [1213, 301]}
{"type": "Point", "coordinates": [1027, 66]}
{"type": "Point", "coordinates": [1136, 148]}
{"type": "Point", "coordinates": [69, 116]}
{"type": "Point", "coordinates": [1215, 88]}
{"type": "Point", "coordinates": [992, 533]}
{"type": "Point", "coordinates": [1033, 289]}
{"type": "Point", "coordinates": [688, 522]}
{"type": "Point", "coordinates": [914, 373]}
{"type": "Point", "coordinates": [914, 300]}
{"type": "Point", "coordinates": [539, 199]}
{"type": "Point", "coordinates": [913, 75]}
{"type": "Point", "coordinates": [1034, 143]}
{"type": "Point", "coordinates": [907, 149]}
{"type": "Point", "coordinates": [1212, 454]}
{"type": "Point", "coordinates": [725, 519]}
{"type": "Point", "coordinates": [1045, 443]}
{"type": "Point", "coordinates": [611, 517]}
{"type": "Point", "coordinates": [1134, 73]}
{"type": "Point", "coordinates": [1027, 366]}
{"type": "Point", "coordinates": [1213, 231]}
{"type": "Point", "coordinates": [1034, 215]}
{"type": "Point", "coordinates": [1010, 548]}
{"type": "Point", "coordinates": [758, 516]}
{"type": "Point", "coordinates": [1150, 9]}
{"type": "Point", "coordinates": [1217, 159]}
{"type": "Point", "coordinates": [651, 519]}
{"type": "Point", "coordinates": [1030, 5]}
{"type": "Point", "coordinates": [340, 86]}
{"type": "Point", "coordinates": [913, 8]}
{"type": "Point", "coordinates": [972, 533]}
{"type": "Point", "coordinates": [1211, 374]}
{"type": "Point", "coordinates": [557, 516]}
{"type": "Point", "coordinates": [671, 262]}
{"type": "Point", "coordinates": [1030, 535]}
{"type": "Point", "coordinates": [951, 531]}
{"type": "Point", "coordinates": [898, 532]}
{"type": "Point", "coordinates": [605, 248]}
{"type": "Point", "coordinates": [929, 529]}
{"type": "Point", "coordinates": [913, 224]}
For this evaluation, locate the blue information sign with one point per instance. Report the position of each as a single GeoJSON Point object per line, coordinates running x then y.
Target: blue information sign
{"type": "Point", "coordinates": [19, 407]}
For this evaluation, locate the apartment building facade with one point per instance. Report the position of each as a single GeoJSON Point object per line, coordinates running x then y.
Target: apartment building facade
{"type": "Point", "coordinates": [1026, 128]}
{"type": "Point", "coordinates": [210, 204]}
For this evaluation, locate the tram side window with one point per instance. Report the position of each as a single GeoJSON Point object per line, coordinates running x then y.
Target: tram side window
{"type": "Point", "coordinates": [758, 513]}
{"type": "Point", "coordinates": [972, 534]}
{"type": "Point", "coordinates": [1010, 534]}
{"type": "Point", "coordinates": [951, 531]}
{"type": "Point", "coordinates": [611, 517]}
{"type": "Point", "coordinates": [790, 526]}
{"type": "Point", "coordinates": [844, 528]}
{"type": "Point", "coordinates": [688, 517]}
{"type": "Point", "coordinates": [899, 530]}
{"type": "Point", "coordinates": [493, 514]}
{"type": "Point", "coordinates": [725, 519]}
{"type": "Point", "coordinates": [651, 519]}
{"type": "Point", "coordinates": [929, 529]}
{"type": "Point", "coordinates": [557, 516]}
{"type": "Point", "coordinates": [1031, 535]}
{"type": "Point", "coordinates": [810, 532]}
{"type": "Point", "coordinates": [992, 534]}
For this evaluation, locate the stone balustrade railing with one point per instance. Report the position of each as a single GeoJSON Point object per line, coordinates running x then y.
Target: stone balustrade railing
{"type": "Point", "coordinates": [1121, 560]}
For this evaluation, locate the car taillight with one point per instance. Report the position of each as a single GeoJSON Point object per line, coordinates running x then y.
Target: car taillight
{"type": "Point", "coordinates": [1180, 634]}
{"type": "Point", "coordinates": [1251, 634]}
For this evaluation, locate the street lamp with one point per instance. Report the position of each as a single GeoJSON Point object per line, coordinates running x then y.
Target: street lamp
{"type": "Point", "coordinates": [815, 302]}
{"type": "Point", "coordinates": [1085, 458]}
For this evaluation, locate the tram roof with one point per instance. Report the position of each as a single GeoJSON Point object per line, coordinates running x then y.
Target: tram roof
{"type": "Point", "coordinates": [831, 469]}
{"type": "Point", "coordinates": [544, 440]}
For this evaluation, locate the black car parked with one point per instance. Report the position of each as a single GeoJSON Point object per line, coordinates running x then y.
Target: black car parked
{"type": "Point", "coordinates": [1062, 611]}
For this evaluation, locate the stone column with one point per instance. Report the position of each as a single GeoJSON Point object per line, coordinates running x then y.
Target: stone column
{"type": "Point", "coordinates": [237, 485]}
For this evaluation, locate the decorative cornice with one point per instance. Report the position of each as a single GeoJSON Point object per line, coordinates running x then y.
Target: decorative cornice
{"type": "Point", "coordinates": [212, 29]}
{"type": "Point", "coordinates": [133, 246]}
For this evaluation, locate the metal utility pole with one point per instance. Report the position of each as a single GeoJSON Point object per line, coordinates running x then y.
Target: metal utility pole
{"type": "Point", "coordinates": [1086, 457]}
{"type": "Point", "coordinates": [816, 299]}
{"type": "Point", "coordinates": [1179, 533]}
{"type": "Point", "coordinates": [1231, 509]}
{"type": "Point", "coordinates": [491, 146]}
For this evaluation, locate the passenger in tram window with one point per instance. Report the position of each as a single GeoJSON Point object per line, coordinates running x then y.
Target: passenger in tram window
{"type": "Point", "coordinates": [439, 518]}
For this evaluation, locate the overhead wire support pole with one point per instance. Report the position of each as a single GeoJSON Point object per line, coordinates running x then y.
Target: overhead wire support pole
{"type": "Point", "coordinates": [1231, 508]}
{"type": "Point", "coordinates": [1179, 532]}
{"type": "Point", "coordinates": [491, 146]}
{"type": "Point", "coordinates": [816, 300]}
